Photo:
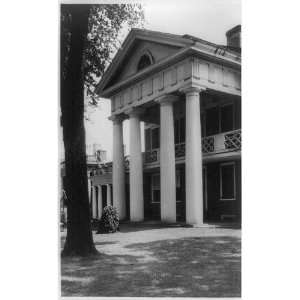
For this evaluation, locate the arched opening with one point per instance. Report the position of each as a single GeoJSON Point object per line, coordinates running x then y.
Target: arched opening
{"type": "Point", "coordinates": [145, 61]}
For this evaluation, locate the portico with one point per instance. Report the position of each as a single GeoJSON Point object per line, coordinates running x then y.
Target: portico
{"type": "Point", "coordinates": [180, 71]}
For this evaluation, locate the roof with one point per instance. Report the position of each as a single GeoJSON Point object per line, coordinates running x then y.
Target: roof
{"type": "Point", "coordinates": [187, 44]}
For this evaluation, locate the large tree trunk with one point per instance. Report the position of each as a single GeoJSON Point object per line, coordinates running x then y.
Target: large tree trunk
{"type": "Point", "coordinates": [79, 239]}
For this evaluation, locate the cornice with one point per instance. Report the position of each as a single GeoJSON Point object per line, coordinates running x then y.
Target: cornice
{"type": "Point", "coordinates": [202, 48]}
{"type": "Point", "coordinates": [188, 51]}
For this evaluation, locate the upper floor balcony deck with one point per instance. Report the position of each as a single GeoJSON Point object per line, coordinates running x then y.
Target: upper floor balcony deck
{"type": "Point", "coordinates": [222, 143]}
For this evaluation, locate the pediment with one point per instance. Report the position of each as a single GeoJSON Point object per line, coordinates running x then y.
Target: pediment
{"type": "Point", "coordinates": [163, 49]}
{"type": "Point", "coordinates": [129, 66]}
{"type": "Point", "coordinates": [139, 42]}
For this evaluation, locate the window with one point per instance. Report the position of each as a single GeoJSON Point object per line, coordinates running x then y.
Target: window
{"type": "Point", "coordinates": [148, 139]}
{"type": "Point", "coordinates": [212, 121]}
{"type": "Point", "coordinates": [227, 119]}
{"type": "Point", "coordinates": [155, 138]}
{"type": "Point", "coordinates": [179, 131]}
{"type": "Point", "coordinates": [219, 119]}
{"type": "Point", "coordinates": [145, 61]}
{"type": "Point", "coordinates": [151, 138]}
{"type": "Point", "coordinates": [155, 188]}
{"type": "Point", "coordinates": [227, 181]}
{"type": "Point", "coordinates": [178, 186]}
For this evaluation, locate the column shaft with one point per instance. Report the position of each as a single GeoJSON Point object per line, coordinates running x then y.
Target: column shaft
{"type": "Point", "coordinates": [136, 170]}
{"type": "Point", "coordinates": [193, 159]}
{"type": "Point", "coordinates": [167, 161]}
{"type": "Point", "coordinates": [100, 204]}
{"type": "Point", "coordinates": [94, 204]}
{"type": "Point", "coordinates": [108, 195]}
{"type": "Point", "coordinates": [118, 169]}
{"type": "Point", "coordinates": [89, 188]}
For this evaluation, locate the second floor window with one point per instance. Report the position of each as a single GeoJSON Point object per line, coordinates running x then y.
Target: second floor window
{"type": "Point", "coordinates": [179, 131]}
{"type": "Point", "coordinates": [151, 138]}
{"type": "Point", "coordinates": [219, 119]}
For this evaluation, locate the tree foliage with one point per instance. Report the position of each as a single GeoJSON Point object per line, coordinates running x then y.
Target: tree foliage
{"type": "Point", "coordinates": [106, 24]}
{"type": "Point", "coordinates": [89, 37]}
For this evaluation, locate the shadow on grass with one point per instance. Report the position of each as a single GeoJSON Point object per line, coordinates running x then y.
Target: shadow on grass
{"type": "Point", "coordinates": [104, 243]}
{"type": "Point", "coordinates": [124, 228]}
{"type": "Point", "coordinates": [189, 267]}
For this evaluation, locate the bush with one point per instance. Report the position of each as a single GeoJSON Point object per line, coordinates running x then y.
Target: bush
{"type": "Point", "coordinates": [109, 221]}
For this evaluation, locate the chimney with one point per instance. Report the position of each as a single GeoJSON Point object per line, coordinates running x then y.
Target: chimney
{"type": "Point", "coordinates": [234, 37]}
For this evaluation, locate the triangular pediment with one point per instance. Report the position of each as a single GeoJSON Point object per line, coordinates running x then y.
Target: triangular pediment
{"type": "Point", "coordinates": [157, 51]}
{"type": "Point", "coordinates": [163, 49]}
{"type": "Point", "coordinates": [138, 43]}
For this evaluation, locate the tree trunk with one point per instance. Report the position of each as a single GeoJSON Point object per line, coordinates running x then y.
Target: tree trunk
{"type": "Point", "coordinates": [79, 239]}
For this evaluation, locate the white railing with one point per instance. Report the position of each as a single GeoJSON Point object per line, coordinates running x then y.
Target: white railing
{"type": "Point", "coordinates": [218, 143]}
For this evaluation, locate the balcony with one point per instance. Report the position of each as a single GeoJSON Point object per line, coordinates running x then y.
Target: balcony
{"type": "Point", "coordinates": [220, 143]}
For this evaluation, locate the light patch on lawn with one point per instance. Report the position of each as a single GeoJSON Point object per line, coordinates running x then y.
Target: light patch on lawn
{"type": "Point", "coordinates": [83, 280]}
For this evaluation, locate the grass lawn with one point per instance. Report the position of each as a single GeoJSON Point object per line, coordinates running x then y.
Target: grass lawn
{"type": "Point", "coordinates": [151, 261]}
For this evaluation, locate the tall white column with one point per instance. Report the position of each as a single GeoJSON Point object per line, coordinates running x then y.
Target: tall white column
{"type": "Point", "coordinates": [108, 195]}
{"type": "Point", "coordinates": [94, 204]}
{"type": "Point", "coordinates": [193, 158]}
{"type": "Point", "coordinates": [118, 175]}
{"type": "Point", "coordinates": [136, 167]}
{"type": "Point", "coordinates": [99, 201]}
{"type": "Point", "coordinates": [89, 187]}
{"type": "Point", "coordinates": [167, 160]}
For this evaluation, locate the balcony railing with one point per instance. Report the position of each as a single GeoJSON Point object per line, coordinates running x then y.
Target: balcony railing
{"type": "Point", "coordinates": [219, 143]}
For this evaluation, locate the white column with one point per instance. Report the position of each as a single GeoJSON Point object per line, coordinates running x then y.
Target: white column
{"type": "Point", "coordinates": [108, 195]}
{"type": "Point", "coordinates": [193, 158]}
{"type": "Point", "coordinates": [94, 204]}
{"type": "Point", "coordinates": [118, 175]}
{"type": "Point", "coordinates": [167, 160]}
{"type": "Point", "coordinates": [99, 201]}
{"type": "Point", "coordinates": [89, 187]}
{"type": "Point", "coordinates": [136, 167]}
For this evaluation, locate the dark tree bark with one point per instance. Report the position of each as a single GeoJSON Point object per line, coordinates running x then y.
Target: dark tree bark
{"type": "Point", "coordinates": [79, 239]}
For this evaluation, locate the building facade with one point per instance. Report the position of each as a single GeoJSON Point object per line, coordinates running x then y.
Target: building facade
{"type": "Point", "coordinates": [187, 91]}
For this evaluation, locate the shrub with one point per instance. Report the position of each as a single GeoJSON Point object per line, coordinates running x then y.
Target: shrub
{"type": "Point", "coordinates": [109, 221]}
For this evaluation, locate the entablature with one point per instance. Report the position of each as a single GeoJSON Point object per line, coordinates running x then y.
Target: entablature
{"type": "Point", "coordinates": [191, 71]}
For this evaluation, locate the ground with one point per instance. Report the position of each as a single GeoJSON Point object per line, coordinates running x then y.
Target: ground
{"type": "Point", "coordinates": [151, 260]}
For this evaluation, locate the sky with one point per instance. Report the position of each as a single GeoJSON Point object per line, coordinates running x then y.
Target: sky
{"type": "Point", "coordinates": [206, 19]}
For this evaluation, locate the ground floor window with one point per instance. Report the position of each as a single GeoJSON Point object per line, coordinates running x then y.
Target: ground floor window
{"type": "Point", "coordinates": [155, 183]}
{"type": "Point", "coordinates": [227, 181]}
{"type": "Point", "coordinates": [178, 186]}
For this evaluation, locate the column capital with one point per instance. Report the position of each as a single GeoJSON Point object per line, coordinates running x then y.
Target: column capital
{"type": "Point", "coordinates": [134, 111]}
{"type": "Point", "coordinates": [192, 89]}
{"type": "Point", "coordinates": [166, 99]}
{"type": "Point", "coordinates": [116, 119]}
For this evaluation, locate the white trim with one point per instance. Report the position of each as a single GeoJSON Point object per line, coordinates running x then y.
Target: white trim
{"type": "Point", "coordinates": [234, 180]}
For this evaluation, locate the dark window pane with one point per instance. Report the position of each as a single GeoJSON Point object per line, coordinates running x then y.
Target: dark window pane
{"type": "Point", "coordinates": [227, 118]}
{"type": "Point", "coordinates": [148, 139]}
{"type": "Point", "coordinates": [182, 130]}
{"type": "Point", "coordinates": [202, 125]}
{"type": "Point", "coordinates": [144, 62]}
{"type": "Point", "coordinates": [155, 138]}
{"type": "Point", "coordinates": [212, 121]}
{"type": "Point", "coordinates": [227, 173]}
{"type": "Point", "coordinates": [156, 182]}
{"type": "Point", "coordinates": [156, 188]}
{"type": "Point", "coordinates": [238, 115]}
{"type": "Point", "coordinates": [156, 196]}
{"type": "Point", "coordinates": [176, 132]}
